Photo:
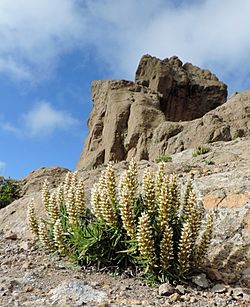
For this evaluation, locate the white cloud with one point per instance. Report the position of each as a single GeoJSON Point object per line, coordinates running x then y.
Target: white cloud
{"type": "Point", "coordinates": [34, 34]}
{"type": "Point", "coordinates": [2, 168]}
{"type": "Point", "coordinates": [209, 33]}
{"type": "Point", "coordinates": [42, 121]}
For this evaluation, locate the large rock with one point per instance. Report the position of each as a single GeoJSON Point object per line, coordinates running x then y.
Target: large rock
{"type": "Point", "coordinates": [34, 181]}
{"type": "Point", "coordinates": [187, 92]}
{"type": "Point", "coordinates": [129, 119]}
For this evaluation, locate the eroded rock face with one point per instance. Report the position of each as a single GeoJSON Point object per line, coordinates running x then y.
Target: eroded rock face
{"type": "Point", "coordinates": [124, 116]}
{"type": "Point", "coordinates": [130, 119]}
{"type": "Point", "coordinates": [187, 92]}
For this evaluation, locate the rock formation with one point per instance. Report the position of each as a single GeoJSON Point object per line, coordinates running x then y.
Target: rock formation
{"type": "Point", "coordinates": [142, 119]}
{"type": "Point", "coordinates": [186, 91]}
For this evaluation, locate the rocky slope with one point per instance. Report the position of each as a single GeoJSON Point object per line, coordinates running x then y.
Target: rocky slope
{"type": "Point", "coordinates": [29, 277]}
{"type": "Point", "coordinates": [223, 186]}
{"type": "Point", "coordinates": [32, 278]}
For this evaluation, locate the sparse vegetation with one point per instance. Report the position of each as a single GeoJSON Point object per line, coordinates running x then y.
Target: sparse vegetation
{"type": "Point", "coordinates": [149, 227]}
{"type": "Point", "coordinates": [209, 162]}
{"type": "Point", "coordinates": [163, 158]}
{"type": "Point", "coordinates": [200, 150]}
{"type": "Point", "coordinates": [9, 191]}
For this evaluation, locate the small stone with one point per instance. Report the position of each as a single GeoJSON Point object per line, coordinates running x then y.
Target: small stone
{"type": "Point", "coordinates": [7, 262]}
{"type": "Point", "coordinates": [11, 236]}
{"type": "Point", "coordinates": [219, 288]}
{"type": "Point", "coordinates": [76, 291]}
{"type": "Point", "coordinates": [95, 284]}
{"type": "Point", "coordinates": [135, 302]}
{"type": "Point", "coordinates": [201, 280]}
{"type": "Point", "coordinates": [13, 283]}
{"type": "Point", "coordinates": [246, 272]}
{"type": "Point", "coordinates": [166, 289]}
{"type": "Point", "coordinates": [237, 293]}
{"type": "Point", "coordinates": [25, 246]}
{"type": "Point", "coordinates": [2, 287]}
{"type": "Point", "coordinates": [192, 300]}
{"type": "Point", "coordinates": [29, 289]}
{"type": "Point", "coordinates": [180, 289]}
{"type": "Point", "coordinates": [4, 293]}
{"type": "Point", "coordinates": [246, 297]}
{"type": "Point", "coordinates": [26, 265]}
{"type": "Point", "coordinates": [213, 274]}
{"type": "Point", "coordinates": [174, 297]}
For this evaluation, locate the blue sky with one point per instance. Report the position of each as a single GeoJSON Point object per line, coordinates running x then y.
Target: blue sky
{"type": "Point", "coordinates": [50, 51]}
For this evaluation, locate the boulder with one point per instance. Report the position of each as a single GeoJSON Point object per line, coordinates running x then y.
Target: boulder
{"type": "Point", "coordinates": [34, 181]}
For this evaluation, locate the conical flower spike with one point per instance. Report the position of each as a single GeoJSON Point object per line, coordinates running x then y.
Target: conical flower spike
{"type": "Point", "coordinates": [53, 208]}
{"type": "Point", "coordinates": [185, 250]}
{"type": "Point", "coordinates": [164, 204]}
{"type": "Point", "coordinates": [32, 220]}
{"type": "Point", "coordinates": [205, 240]}
{"type": "Point", "coordinates": [44, 237]}
{"type": "Point", "coordinates": [96, 201]}
{"type": "Point", "coordinates": [110, 183]}
{"type": "Point", "coordinates": [59, 238]}
{"type": "Point", "coordinates": [108, 210]}
{"type": "Point", "coordinates": [166, 248]}
{"type": "Point", "coordinates": [145, 238]}
{"type": "Point", "coordinates": [71, 208]}
{"type": "Point", "coordinates": [45, 195]}
{"type": "Point", "coordinates": [127, 205]}
{"type": "Point", "coordinates": [148, 188]}
{"type": "Point", "coordinates": [80, 201]}
{"type": "Point", "coordinates": [159, 180]}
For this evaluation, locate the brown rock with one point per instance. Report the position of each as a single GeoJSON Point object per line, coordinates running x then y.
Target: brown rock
{"type": "Point", "coordinates": [10, 235]}
{"type": "Point", "coordinates": [34, 181]}
{"type": "Point", "coordinates": [166, 289]}
{"type": "Point", "coordinates": [174, 297]}
{"type": "Point", "coordinates": [132, 119]}
{"type": "Point", "coordinates": [187, 92]}
{"type": "Point", "coordinates": [29, 289]}
{"type": "Point", "coordinates": [213, 274]}
{"type": "Point", "coordinates": [228, 201]}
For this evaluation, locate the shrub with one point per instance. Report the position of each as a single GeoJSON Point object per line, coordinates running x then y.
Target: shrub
{"type": "Point", "coordinates": [9, 191]}
{"type": "Point", "coordinates": [149, 227]}
{"type": "Point", "coordinates": [163, 158]}
{"type": "Point", "coordinates": [200, 150]}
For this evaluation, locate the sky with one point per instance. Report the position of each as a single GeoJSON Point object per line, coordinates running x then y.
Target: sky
{"type": "Point", "coordinates": [50, 51]}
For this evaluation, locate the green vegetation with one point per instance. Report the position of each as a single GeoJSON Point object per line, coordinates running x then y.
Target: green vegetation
{"type": "Point", "coordinates": [209, 162]}
{"type": "Point", "coordinates": [9, 191]}
{"type": "Point", "coordinates": [163, 158]}
{"type": "Point", "coordinates": [200, 150]}
{"type": "Point", "coordinates": [152, 229]}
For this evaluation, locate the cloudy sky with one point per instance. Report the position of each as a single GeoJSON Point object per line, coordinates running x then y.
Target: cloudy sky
{"type": "Point", "coordinates": [51, 50]}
